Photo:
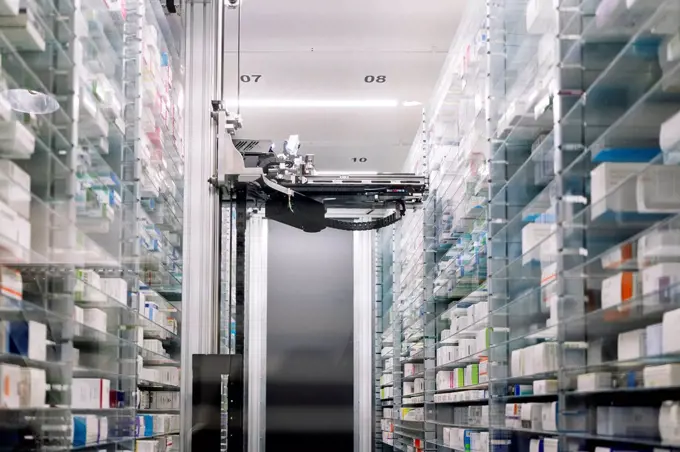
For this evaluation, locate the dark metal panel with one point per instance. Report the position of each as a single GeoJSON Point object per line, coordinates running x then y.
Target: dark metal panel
{"type": "Point", "coordinates": [207, 413]}
{"type": "Point", "coordinates": [309, 340]}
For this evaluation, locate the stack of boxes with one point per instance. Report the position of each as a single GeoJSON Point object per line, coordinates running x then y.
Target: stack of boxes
{"type": "Point", "coordinates": [15, 208]}
{"type": "Point", "coordinates": [466, 439]}
{"type": "Point", "coordinates": [24, 387]}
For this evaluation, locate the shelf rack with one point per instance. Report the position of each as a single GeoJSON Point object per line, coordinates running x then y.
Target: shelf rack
{"type": "Point", "coordinates": [91, 170]}
{"type": "Point", "coordinates": [552, 148]}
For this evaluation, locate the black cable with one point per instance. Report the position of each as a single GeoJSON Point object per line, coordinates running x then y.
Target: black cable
{"type": "Point", "coordinates": [368, 225]}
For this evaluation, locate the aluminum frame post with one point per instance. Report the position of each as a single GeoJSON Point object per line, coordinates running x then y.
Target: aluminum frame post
{"type": "Point", "coordinates": [364, 286]}
{"type": "Point", "coordinates": [200, 323]}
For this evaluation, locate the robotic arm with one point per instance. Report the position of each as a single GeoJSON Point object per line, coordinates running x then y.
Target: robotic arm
{"type": "Point", "coordinates": [295, 195]}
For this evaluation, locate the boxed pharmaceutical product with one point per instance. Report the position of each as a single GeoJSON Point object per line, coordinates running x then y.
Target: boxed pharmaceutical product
{"type": "Point", "coordinates": [411, 369]}
{"type": "Point", "coordinates": [95, 318]}
{"type": "Point", "coordinates": [11, 285]}
{"type": "Point", "coordinates": [15, 188]}
{"type": "Point", "coordinates": [541, 17]}
{"type": "Point", "coordinates": [658, 246]}
{"type": "Point", "coordinates": [85, 430]}
{"type": "Point", "coordinates": [549, 416]}
{"type": "Point", "coordinates": [541, 387]}
{"type": "Point", "coordinates": [632, 345]}
{"type": "Point", "coordinates": [90, 393]}
{"type": "Point", "coordinates": [594, 381]}
{"type": "Point", "coordinates": [513, 415]}
{"type": "Point", "coordinates": [660, 282]}
{"type": "Point", "coordinates": [167, 375]}
{"type": "Point", "coordinates": [671, 333]}
{"type": "Point", "coordinates": [88, 286]}
{"type": "Point", "coordinates": [28, 339]}
{"type": "Point", "coordinates": [657, 189]}
{"type": "Point", "coordinates": [632, 422]}
{"type": "Point", "coordinates": [471, 376]}
{"type": "Point", "coordinates": [16, 140]}
{"type": "Point", "coordinates": [418, 385]}
{"type": "Point", "coordinates": [516, 363]}
{"type": "Point", "coordinates": [618, 256]}
{"type": "Point", "coordinates": [103, 429]}
{"type": "Point", "coordinates": [613, 188]}
{"type": "Point", "coordinates": [412, 414]}
{"type": "Point", "coordinates": [654, 340]}
{"type": "Point", "coordinates": [10, 375]}
{"type": "Point", "coordinates": [484, 370]}
{"type": "Point", "coordinates": [531, 416]}
{"type": "Point", "coordinates": [533, 235]}
{"type": "Point", "coordinates": [116, 288]}
{"type": "Point", "coordinates": [620, 289]}
{"type": "Point", "coordinates": [34, 385]}
{"type": "Point", "coordinates": [666, 375]}
{"type": "Point", "coordinates": [669, 422]}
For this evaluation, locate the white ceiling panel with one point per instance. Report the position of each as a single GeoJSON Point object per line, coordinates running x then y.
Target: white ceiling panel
{"type": "Point", "coordinates": [359, 25]}
{"type": "Point", "coordinates": [334, 75]}
{"type": "Point", "coordinates": [313, 50]}
{"type": "Point", "coordinates": [351, 125]}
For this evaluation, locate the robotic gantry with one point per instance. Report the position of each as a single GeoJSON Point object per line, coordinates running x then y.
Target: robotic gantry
{"type": "Point", "coordinates": [252, 174]}
{"type": "Point", "coordinates": [287, 186]}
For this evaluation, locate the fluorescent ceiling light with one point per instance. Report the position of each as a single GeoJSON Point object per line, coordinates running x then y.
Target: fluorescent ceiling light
{"type": "Point", "coordinates": [410, 103]}
{"type": "Point", "coordinates": [318, 103]}
{"type": "Point", "coordinates": [349, 173]}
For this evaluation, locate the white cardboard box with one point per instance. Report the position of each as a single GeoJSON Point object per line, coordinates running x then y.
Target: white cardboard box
{"type": "Point", "coordinates": [613, 187]}
{"type": "Point", "coordinates": [10, 376]}
{"type": "Point", "coordinates": [34, 382]}
{"type": "Point", "coordinates": [632, 345]}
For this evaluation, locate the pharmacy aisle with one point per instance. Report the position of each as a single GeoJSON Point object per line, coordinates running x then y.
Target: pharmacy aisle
{"type": "Point", "coordinates": [91, 171]}
{"type": "Point", "coordinates": [552, 149]}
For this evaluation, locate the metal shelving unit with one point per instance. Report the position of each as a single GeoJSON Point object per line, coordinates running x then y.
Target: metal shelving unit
{"type": "Point", "coordinates": [556, 125]}
{"type": "Point", "coordinates": [90, 249]}
{"type": "Point", "coordinates": [578, 91]}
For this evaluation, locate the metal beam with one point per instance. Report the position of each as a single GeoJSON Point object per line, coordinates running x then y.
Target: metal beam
{"type": "Point", "coordinates": [200, 323]}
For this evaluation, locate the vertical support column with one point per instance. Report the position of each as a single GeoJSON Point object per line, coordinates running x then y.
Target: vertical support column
{"type": "Point", "coordinates": [256, 330]}
{"type": "Point", "coordinates": [571, 193]}
{"type": "Point", "coordinates": [203, 31]}
{"type": "Point", "coordinates": [363, 340]}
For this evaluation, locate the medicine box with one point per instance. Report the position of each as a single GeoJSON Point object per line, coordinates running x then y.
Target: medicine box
{"type": "Point", "coordinates": [654, 340]}
{"type": "Point", "coordinates": [95, 319]}
{"type": "Point", "coordinates": [533, 235]}
{"type": "Point", "coordinates": [85, 430]}
{"type": "Point", "coordinates": [15, 188]}
{"type": "Point", "coordinates": [666, 375]}
{"type": "Point", "coordinates": [618, 256]}
{"type": "Point", "coordinates": [90, 393]}
{"type": "Point", "coordinates": [11, 284]}
{"type": "Point", "coordinates": [541, 17]}
{"type": "Point", "coordinates": [613, 188]}
{"type": "Point", "coordinates": [541, 387]}
{"type": "Point", "coordinates": [34, 384]}
{"type": "Point", "coordinates": [658, 246]}
{"type": "Point", "coordinates": [658, 190]}
{"type": "Point", "coordinates": [10, 377]}
{"type": "Point", "coordinates": [619, 289]}
{"type": "Point", "coordinates": [594, 381]}
{"type": "Point", "coordinates": [16, 140]}
{"type": "Point", "coordinates": [660, 282]}
{"type": "Point", "coordinates": [633, 422]}
{"type": "Point", "coordinates": [28, 339]}
{"type": "Point", "coordinates": [671, 332]}
{"type": "Point", "coordinates": [632, 345]}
